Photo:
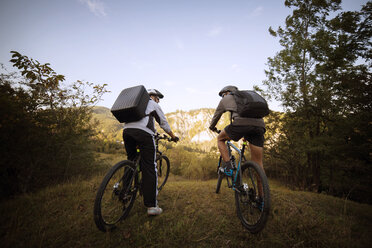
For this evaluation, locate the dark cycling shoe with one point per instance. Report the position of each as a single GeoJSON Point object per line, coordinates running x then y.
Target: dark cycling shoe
{"type": "Point", "coordinates": [226, 168]}
{"type": "Point", "coordinates": [228, 172]}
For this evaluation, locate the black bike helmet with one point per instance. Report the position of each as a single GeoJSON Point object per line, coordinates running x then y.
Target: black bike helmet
{"type": "Point", "coordinates": [154, 92]}
{"type": "Point", "coordinates": [228, 88]}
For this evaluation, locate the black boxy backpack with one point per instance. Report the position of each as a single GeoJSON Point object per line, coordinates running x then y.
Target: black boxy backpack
{"type": "Point", "coordinates": [131, 104]}
{"type": "Point", "coordinates": [250, 104]}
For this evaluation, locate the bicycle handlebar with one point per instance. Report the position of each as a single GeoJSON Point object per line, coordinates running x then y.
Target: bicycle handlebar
{"type": "Point", "coordinates": [164, 137]}
{"type": "Point", "coordinates": [216, 130]}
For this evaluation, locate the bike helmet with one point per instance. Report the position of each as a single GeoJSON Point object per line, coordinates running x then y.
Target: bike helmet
{"type": "Point", "coordinates": [228, 88]}
{"type": "Point", "coordinates": [155, 92]}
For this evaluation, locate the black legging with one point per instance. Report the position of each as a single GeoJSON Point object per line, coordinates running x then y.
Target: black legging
{"type": "Point", "coordinates": [136, 137]}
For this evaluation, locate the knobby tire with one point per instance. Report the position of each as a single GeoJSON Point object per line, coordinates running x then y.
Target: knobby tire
{"type": "Point", "coordinates": [219, 182]}
{"type": "Point", "coordinates": [251, 217]}
{"type": "Point", "coordinates": [220, 177]}
{"type": "Point", "coordinates": [116, 195]}
{"type": "Point", "coordinates": [163, 168]}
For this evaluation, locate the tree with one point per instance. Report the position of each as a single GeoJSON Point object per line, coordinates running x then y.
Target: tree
{"type": "Point", "coordinates": [45, 126]}
{"type": "Point", "coordinates": [316, 76]}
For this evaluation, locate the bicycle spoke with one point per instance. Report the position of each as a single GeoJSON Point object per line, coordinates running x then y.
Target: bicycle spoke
{"type": "Point", "coordinates": [112, 208]}
{"type": "Point", "coordinates": [251, 198]}
{"type": "Point", "coordinates": [115, 196]}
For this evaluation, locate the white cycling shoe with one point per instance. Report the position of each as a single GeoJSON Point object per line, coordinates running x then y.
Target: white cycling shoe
{"type": "Point", "coordinates": [154, 211]}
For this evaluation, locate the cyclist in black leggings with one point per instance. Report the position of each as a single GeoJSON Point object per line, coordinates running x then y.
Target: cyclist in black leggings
{"type": "Point", "coordinates": [141, 134]}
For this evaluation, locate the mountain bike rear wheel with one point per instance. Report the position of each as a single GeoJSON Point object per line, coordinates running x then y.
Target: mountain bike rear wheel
{"type": "Point", "coordinates": [163, 168]}
{"type": "Point", "coordinates": [252, 200]}
{"type": "Point", "coordinates": [116, 195]}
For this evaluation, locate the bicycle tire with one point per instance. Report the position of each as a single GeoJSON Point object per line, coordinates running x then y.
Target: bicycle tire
{"type": "Point", "coordinates": [116, 195]}
{"type": "Point", "coordinates": [247, 206]}
{"type": "Point", "coordinates": [220, 177]}
{"type": "Point", "coordinates": [162, 170]}
{"type": "Point", "coordinates": [244, 159]}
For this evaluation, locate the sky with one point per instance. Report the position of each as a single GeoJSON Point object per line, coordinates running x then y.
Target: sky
{"type": "Point", "coordinates": [187, 49]}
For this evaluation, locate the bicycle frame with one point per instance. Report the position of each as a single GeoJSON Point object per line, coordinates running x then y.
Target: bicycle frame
{"type": "Point", "coordinates": [121, 185]}
{"type": "Point", "coordinates": [137, 171]}
{"type": "Point", "coordinates": [251, 205]}
{"type": "Point", "coordinates": [157, 139]}
{"type": "Point", "coordinates": [158, 153]}
{"type": "Point", "coordinates": [235, 182]}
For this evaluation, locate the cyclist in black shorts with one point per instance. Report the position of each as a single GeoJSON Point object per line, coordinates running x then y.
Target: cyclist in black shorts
{"type": "Point", "coordinates": [252, 129]}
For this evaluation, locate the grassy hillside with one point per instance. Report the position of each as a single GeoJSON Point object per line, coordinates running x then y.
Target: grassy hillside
{"type": "Point", "coordinates": [109, 128]}
{"type": "Point", "coordinates": [194, 216]}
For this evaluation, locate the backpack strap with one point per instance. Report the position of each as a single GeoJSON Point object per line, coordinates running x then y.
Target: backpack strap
{"type": "Point", "coordinates": [231, 113]}
{"type": "Point", "coordinates": [150, 124]}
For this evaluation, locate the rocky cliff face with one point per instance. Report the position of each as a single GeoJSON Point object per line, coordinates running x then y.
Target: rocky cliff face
{"type": "Point", "coordinates": [191, 126]}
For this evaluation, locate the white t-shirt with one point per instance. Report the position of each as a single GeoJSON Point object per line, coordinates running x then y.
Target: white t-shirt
{"type": "Point", "coordinates": [157, 112]}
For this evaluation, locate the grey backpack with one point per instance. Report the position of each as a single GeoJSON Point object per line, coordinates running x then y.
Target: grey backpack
{"type": "Point", "coordinates": [250, 104]}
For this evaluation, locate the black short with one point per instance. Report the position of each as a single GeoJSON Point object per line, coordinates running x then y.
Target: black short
{"type": "Point", "coordinates": [254, 134]}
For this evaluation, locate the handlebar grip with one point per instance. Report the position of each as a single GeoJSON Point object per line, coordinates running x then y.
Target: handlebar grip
{"type": "Point", "coordinates": [215, 130]}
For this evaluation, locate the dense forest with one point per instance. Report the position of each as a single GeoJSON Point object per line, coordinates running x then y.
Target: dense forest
{"type": "Point", "coordinates": [51, 131]}
{"type": "Point", "coordinates": [322, 76]}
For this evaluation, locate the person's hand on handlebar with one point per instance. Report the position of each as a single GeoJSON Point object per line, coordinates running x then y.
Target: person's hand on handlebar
{"type": "Point", "coordinates": [174, 138]}
{"type": "Point", "coordinates": [214, 129]}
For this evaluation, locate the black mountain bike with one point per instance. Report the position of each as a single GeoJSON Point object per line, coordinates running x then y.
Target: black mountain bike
{"type": "Point", "coordinates": [252, 193]}
{"type": "Point", "coordinates": [118, 190]}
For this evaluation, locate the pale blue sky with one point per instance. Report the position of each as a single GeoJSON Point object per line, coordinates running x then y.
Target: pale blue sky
{"type": "Point", "coordinates": [187, 49]}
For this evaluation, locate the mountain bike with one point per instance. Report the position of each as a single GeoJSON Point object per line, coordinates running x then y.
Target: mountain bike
{"type": "Point", "coordinates": [252, 193]}
{"type": "Point", "coordinates": [118, 190]}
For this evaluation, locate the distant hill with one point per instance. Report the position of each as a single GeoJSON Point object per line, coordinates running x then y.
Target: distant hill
{"type": "Point", "coordinates": [190, 126]}
{"type": "Point", "coordinates": [193, 125]}
{"type": "Point", "coordinates": [108, 126]}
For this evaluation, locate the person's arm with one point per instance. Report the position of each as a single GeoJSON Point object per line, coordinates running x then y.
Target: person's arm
{"type": "Point", "coordinates": [174, 137]}
{"type": "Point", "coordinates": [217, 115]}
{"type": "Point", "coordinates": [162, 120]}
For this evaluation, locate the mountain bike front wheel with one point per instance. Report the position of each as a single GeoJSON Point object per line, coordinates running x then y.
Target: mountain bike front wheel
{"type": "Point", "coordinates": [163, 168]}
{"type": "Point", "coordinates": [116, 195]}
{"type": "Point", "coordinates": [252, 197]}
{"type": "Point", "coordinates": [220, 177]}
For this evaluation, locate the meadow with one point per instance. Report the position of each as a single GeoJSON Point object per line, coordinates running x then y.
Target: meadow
{"type": "Point", "coordinates": [194, 216]}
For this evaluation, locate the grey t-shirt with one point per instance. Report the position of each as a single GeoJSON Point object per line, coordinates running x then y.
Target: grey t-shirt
{"type": "Point", "coordinates": [228, 103]}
